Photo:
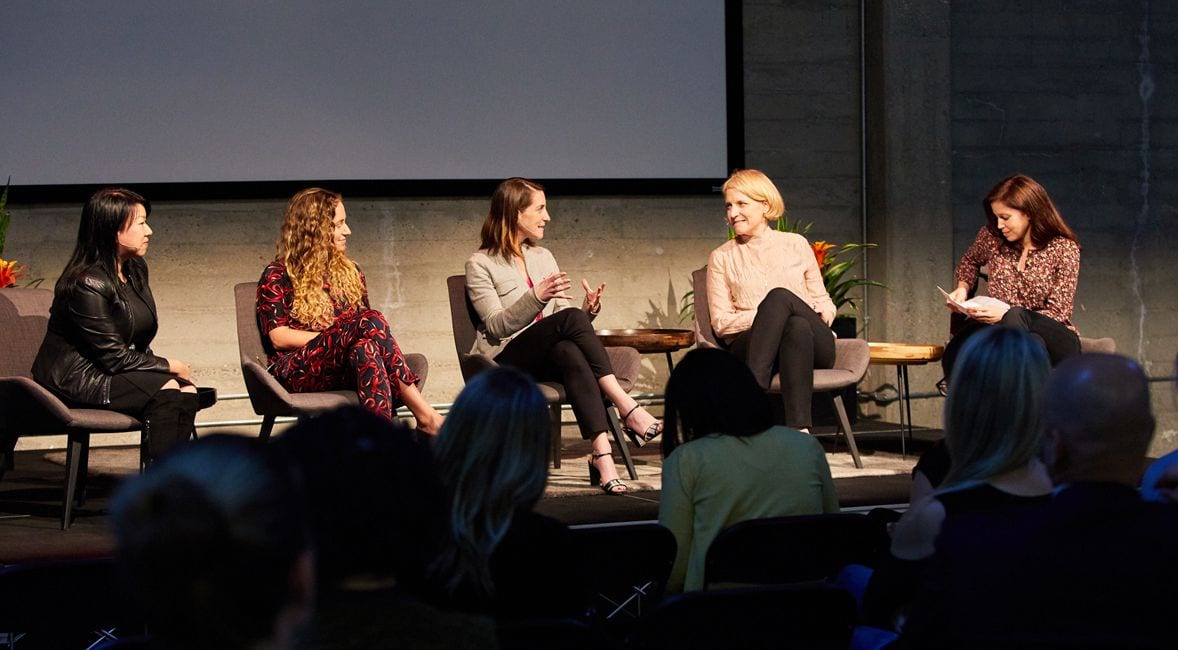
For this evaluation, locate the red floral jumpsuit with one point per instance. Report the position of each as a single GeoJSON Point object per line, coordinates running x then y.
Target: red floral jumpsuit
{"type": "Point", "coordinates": [356, 351]}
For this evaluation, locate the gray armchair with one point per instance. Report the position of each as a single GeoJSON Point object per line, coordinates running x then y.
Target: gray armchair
{"type": "Point", "coordinates": [28, 409]}
{"type": "Point", "coordinates": [268, 397]}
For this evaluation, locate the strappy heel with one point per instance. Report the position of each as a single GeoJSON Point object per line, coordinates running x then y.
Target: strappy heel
{"type": "Point", "coordinates": [640, 439]}
{"type": "Point", "coordinates": [614, 487]}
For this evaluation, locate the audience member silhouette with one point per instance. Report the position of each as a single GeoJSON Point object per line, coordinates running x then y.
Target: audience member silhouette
{"type": "Point", "coordinates": [500, 557]}
{"type": "Point", "coordinates": [726, 462]}
{"type": "Point", "coordinates": [213, 545]}
{"type": "Point", "coordinates": [1096, 566]}
{"type": "Point", "coordinates": [992, 435]}
{"type": "Point", "coordinates": [375, 511]}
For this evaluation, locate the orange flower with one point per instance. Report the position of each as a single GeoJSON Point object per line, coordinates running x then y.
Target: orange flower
{"type": "Point", "coordinates": [820, 249]}
{"type": "Point", "coordinates": [10, 272]}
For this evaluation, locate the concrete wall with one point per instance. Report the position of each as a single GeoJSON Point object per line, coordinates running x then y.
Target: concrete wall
{"type": "Point", "coordinates": [936, 145]}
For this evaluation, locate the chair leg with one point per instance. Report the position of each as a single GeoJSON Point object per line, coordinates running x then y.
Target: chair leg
{"type": "Point", "coordinates": [78, 442]}
{"type": "Point", "coordinates": [267, 427]}
{"type": "Point", "coordinates": [554, 418]}
{"type": "Point", "coordinates": [845, 427]}
{"type": "Point", "coordinates": [615, 427]}
{"type": "Point", "coordinates": [83, 474]}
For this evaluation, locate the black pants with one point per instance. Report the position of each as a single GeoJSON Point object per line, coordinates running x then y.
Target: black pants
{"type": "Point", "coordinates": [1059, 341]}
{"type": "Point", "coordinates": [563, 348]}
{"type": "Point", "coordinates": [787, 337]}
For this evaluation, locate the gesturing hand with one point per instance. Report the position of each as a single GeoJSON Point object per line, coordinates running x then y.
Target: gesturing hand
{"type": "Point", "coordinates": [553, 286]}
{"type": "Point", "coordinates": [592, 297]}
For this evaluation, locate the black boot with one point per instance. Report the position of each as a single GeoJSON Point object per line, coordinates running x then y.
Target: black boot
{"type": "Point", "coordinates": [189, 405]}
{"type": "Point", "coordinates": [164, 424]}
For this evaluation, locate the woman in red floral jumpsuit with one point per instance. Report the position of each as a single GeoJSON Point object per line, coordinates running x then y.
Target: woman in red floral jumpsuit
{"type": "Point", "coordinates": [313, 309]}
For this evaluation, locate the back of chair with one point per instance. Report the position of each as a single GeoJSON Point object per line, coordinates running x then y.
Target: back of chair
{"type": "Point", "coordinates": [782, 616]}
{"type": "Point", "coordinates": [249, 337]}
{"type": "Point", "coordinates": [704, 336]}
{"type": "Point", "coordinates": [267, 396]}
{"type": "Point", "coordinates": [65, 595]}
{"type": "Point", "coordinates": [1105, 345]}
{"type": "Point", "coordinates": [462, 320]}
{"type": "Point", "coordinates": [635, 576]}
{"type": "Point", "coordinates": [779, 550]}
{"type": "Point", "coordinates": [24, 317]}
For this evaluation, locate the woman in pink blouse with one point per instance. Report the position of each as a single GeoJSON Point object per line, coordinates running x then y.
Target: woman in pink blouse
{"type": "Point", "coordinates": [313, 312]}
{"type": "Point", "coordinates": [768, 303]}
{"type": "Point", "coordinates": [1034, 262]}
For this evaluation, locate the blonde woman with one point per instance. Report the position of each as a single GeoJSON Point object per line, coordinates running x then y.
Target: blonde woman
{"type": "Point", "coordinates": [768, 302]}
{"type": "Point", "coordinates": [313, 311]}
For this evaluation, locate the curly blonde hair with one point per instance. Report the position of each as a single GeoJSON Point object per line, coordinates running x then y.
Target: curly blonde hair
{"type": "Point", "coordinates": [306, 246]}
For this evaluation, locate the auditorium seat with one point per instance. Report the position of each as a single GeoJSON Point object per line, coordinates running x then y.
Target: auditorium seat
{"type": "Point", "coordinates": [268, 397]}
{"type": "Point", "coordinates": [633, 570]}
{"type": "Point", "coordinates": [802, 548]}
{"type": "Point", "coordinates": [752, 618]}
{"type": "Point", "coordinates": [59, 598]}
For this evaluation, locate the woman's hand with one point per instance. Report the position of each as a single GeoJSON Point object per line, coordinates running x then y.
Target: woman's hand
{"type": "Point", "coordinates": [988, 315]}
{"type": "Point", "coordinates": [180, 369]}
{"type": "Point", "coordinates": [959, 295]}
{"type": "Point", "coordinates": [553, 286]}
{"type": "Point", "coordinates": [592, 297]}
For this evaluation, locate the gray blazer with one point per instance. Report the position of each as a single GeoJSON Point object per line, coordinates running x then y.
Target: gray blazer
{"type": "Point", "coordinates": [506, 305]}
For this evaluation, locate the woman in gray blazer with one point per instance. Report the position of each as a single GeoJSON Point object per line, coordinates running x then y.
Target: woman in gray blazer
{"type": "Point", "coordinates": [527, 321]}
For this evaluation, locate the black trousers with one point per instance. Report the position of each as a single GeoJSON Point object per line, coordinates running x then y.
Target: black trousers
{"type": "Point", "coordinates": [563, 348]}
{"type": "Point", "coordinates": [787, 337]}
{"type": "Point", "coordinates": [1059, 341]}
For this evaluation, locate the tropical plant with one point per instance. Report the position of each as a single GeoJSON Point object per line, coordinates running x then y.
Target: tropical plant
{"type": "Point", "coordinates": [10, 271]}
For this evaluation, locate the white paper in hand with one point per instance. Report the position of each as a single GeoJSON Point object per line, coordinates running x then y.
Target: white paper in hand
{"type": "Point", "coordinates": [972, 303]}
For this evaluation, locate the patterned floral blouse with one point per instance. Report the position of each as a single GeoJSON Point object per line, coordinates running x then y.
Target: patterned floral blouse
{"type": "Point", "coordinates": [276, 298]}
{"type": "Point", "coordinates": [1047, 283]}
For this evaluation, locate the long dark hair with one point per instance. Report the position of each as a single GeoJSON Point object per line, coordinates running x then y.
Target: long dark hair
{"type": "Point", "coordinates": [1026, 195]}
{"type": "Point", "coordinates": [103, 216]}
{"type": "Point", "coordinates": [711, 391]}
{"type": "Point", "coordinates": [499, 230]}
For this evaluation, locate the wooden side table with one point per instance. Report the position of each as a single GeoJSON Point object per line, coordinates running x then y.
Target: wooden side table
{"type": "Point", "coordinates": [649, 341]}
{"type": "Point", "coordinates": [903, 355]}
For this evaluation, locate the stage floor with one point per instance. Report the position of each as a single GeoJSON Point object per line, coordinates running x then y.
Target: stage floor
{"type": "Point", "coordinates": [30, 494]}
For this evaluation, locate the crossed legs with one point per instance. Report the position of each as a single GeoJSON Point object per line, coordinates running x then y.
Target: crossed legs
{"type": "Point", "coordinates": [789, 338]}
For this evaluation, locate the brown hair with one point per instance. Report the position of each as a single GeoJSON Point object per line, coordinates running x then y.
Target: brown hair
{"type": "Point", "coordinates": [305, 245]}
{"type": "Point", "coordinates": [499, 230]}
{"type": "Point", "coordinates": [1024, 194]}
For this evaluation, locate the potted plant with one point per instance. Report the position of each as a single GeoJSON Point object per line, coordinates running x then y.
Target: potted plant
{"type": "Point", "coordinates": [10, 270]}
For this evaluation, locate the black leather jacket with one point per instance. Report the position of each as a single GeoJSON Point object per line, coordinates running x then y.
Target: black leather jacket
{"type": "Point", "coordinates": [90, 336]}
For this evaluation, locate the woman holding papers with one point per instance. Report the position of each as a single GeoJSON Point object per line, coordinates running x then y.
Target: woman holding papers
{"type": "Point", "coordinates": [1034, 262]}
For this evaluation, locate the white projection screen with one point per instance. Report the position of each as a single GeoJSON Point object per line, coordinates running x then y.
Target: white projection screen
{"type": "Point", "coordinates": [171, 92]}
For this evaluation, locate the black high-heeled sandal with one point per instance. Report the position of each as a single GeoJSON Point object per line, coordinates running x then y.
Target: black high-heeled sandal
{"type": "Point", "coordinates": [611, 487]}
{"type": "Point", "coordinates": [640, 439]}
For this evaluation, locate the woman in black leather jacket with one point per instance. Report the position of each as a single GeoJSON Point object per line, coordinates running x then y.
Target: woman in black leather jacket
{"type": "Point", "coordinates": [96, 351]}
